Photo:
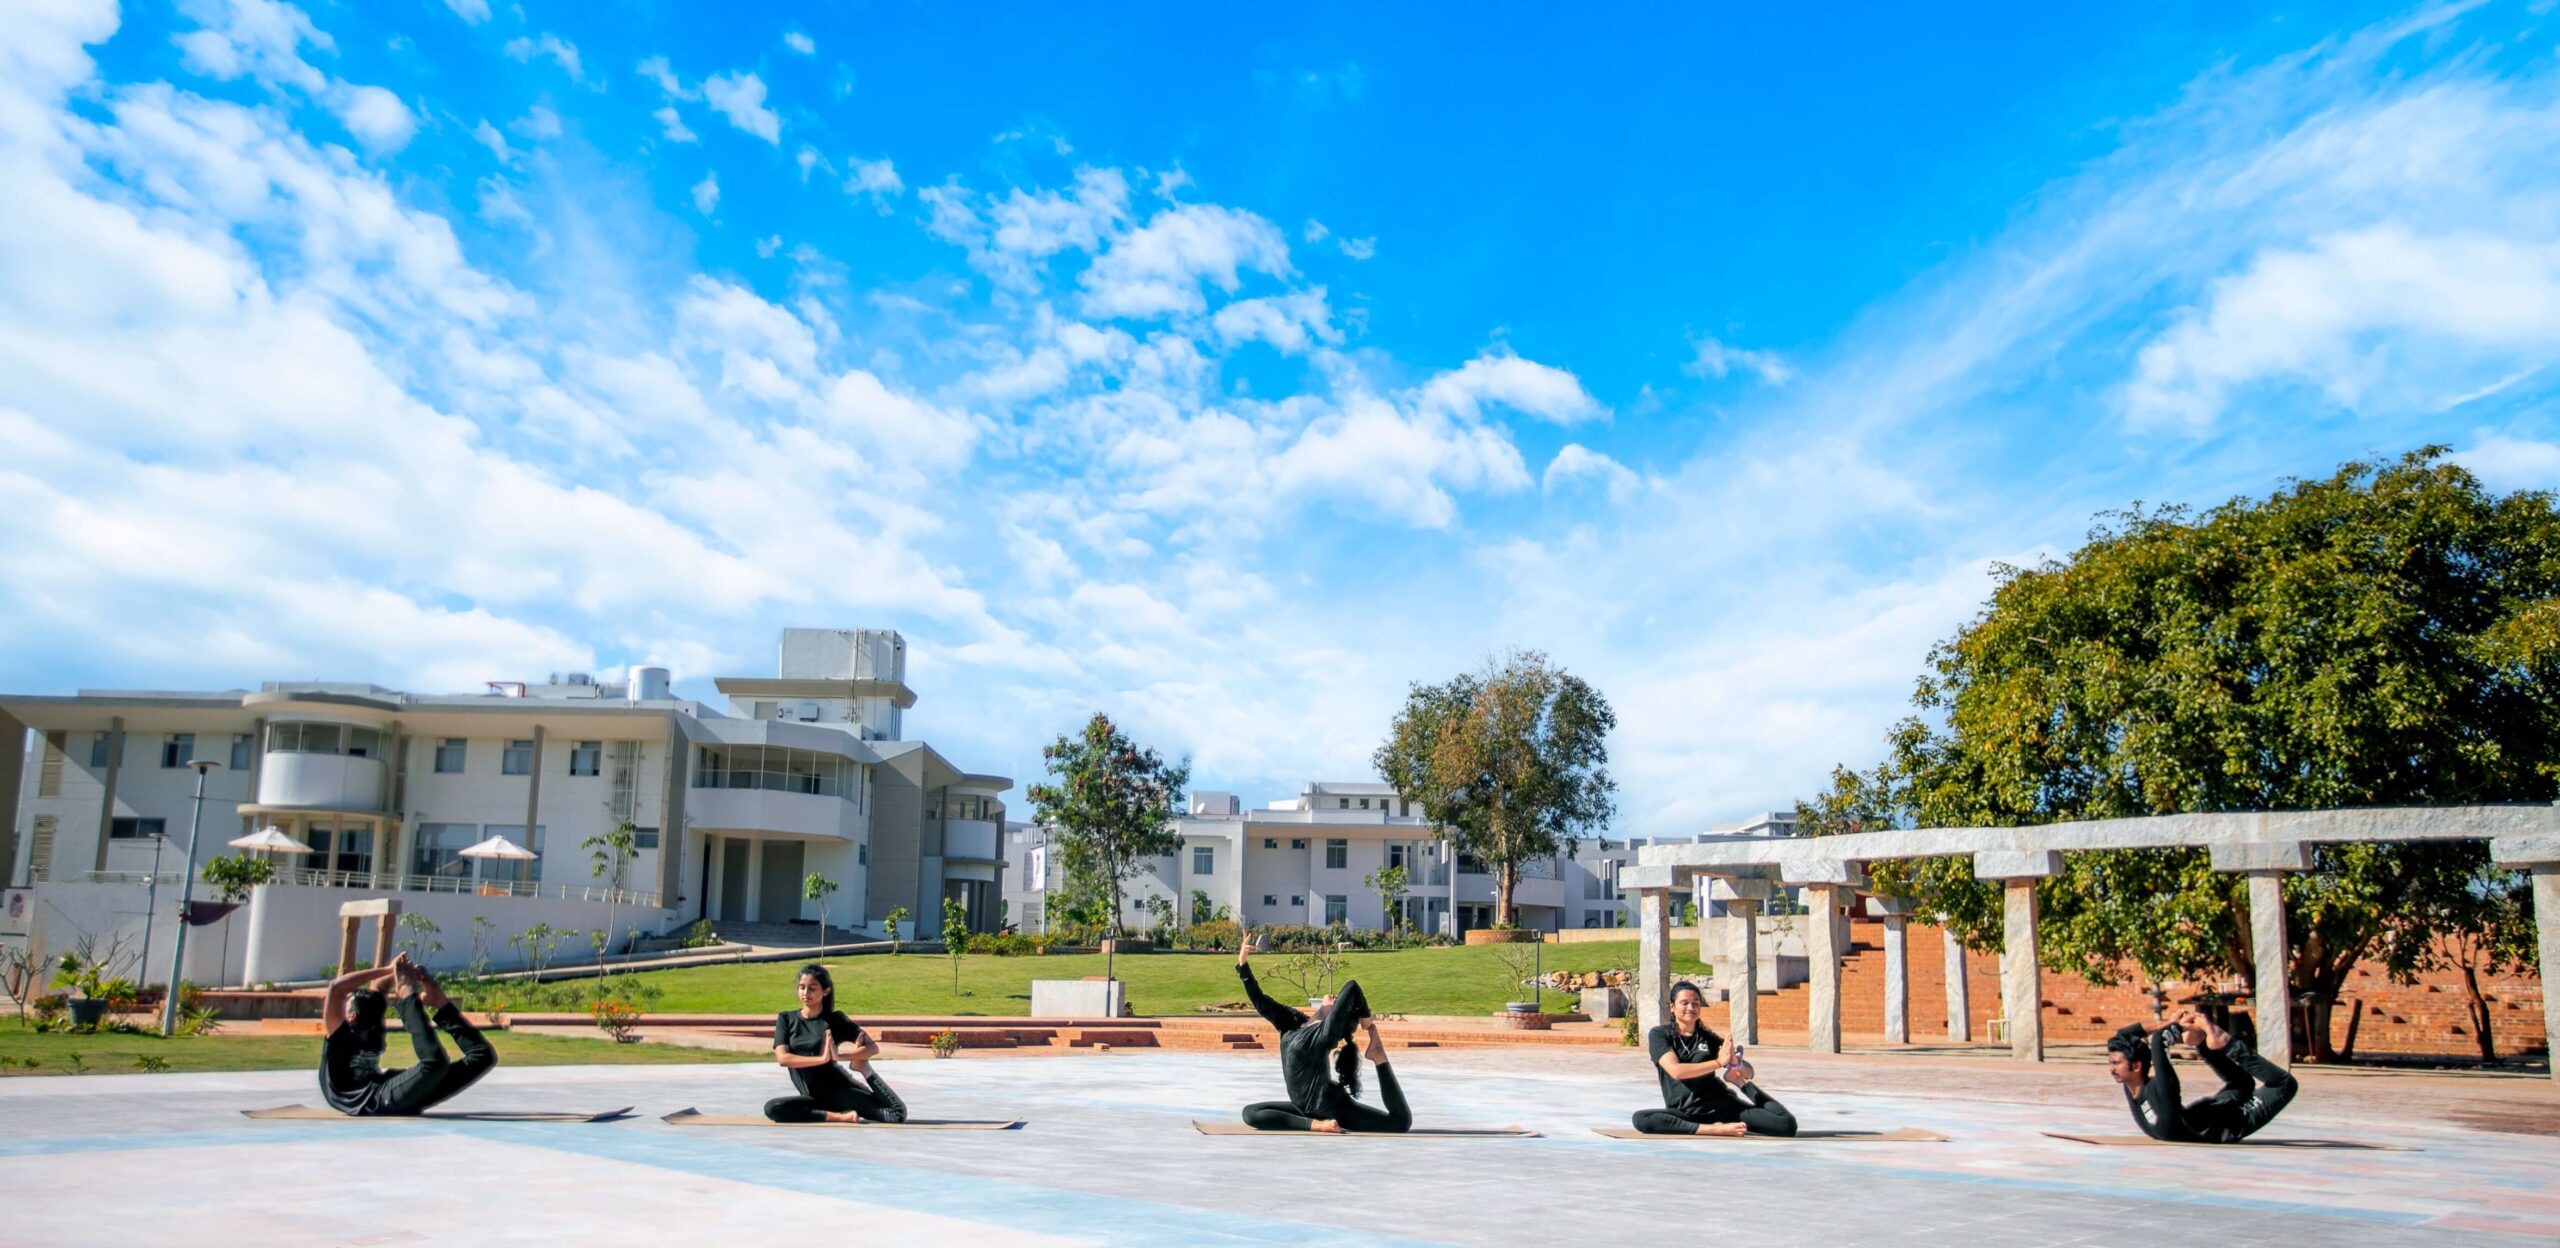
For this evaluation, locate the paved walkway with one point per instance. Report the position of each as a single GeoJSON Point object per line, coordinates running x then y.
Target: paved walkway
{"type": "Point", "coordinates": [1109, 1158]}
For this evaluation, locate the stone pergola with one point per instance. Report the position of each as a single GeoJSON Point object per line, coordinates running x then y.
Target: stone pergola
{"type": "Point", "coordinates": [2262, 847]}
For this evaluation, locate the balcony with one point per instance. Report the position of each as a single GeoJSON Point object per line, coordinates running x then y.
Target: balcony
{"type": "Point", "coordinates": [972, 839]}
{"type": "Point", "coordinates": [304, 781]}
{"type": "Point", "coordinates": [770, 810]}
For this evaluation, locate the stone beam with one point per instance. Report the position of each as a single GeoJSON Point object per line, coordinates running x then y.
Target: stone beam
{"type": "Point", "coordinates": [2011, 864]}
{"type": "Point", "coordinates": [2526, 851]}
{"type": "Point", "coordinates": [2262, 856]}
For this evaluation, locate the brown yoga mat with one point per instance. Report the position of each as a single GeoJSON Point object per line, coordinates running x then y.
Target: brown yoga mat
{"type": "Point", "coordinates": [2144, 1141]}
{"type": "Point", "coordinates": [1443, 1133]}
{"type": "Point", "coordinates": [693, 1118]}
{"type": "Point", "coordinates": [322, 1113]}
{"type": "Point", "coordinates": [1899, 1135]}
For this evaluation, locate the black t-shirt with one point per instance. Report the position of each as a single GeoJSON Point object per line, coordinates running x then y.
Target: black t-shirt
{"type": "Point", "coordinates": [809, 1037]}
{"type": "Point", "coordinates": [350, 1073]}
{"type": "Point", "coordinates": [1687, 1095]}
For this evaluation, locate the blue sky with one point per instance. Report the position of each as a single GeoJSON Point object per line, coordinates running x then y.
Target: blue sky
{"type": "Point", "coordinates": [1224, 374]}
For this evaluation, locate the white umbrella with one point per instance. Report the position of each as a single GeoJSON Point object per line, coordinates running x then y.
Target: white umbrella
{"type": "Point", "coordinates": [500, 847]}
{"type": "Point", "coordinates": [269, 840]}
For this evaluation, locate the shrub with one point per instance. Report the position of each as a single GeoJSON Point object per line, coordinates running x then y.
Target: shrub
{"type": "Point", "coordinates": [50, 1008]}
{"type": "Point", "coordinates": [198, 1020]}
{"type": "Point", "coordinates": [945, 1042]}
{"type": "Point", "coordinates": [1010, 944]}
{"type": "Point", "coordinates": [699, 936]}
{"type": "Point", "coordinates": [151, 1064]}
{"type": "Point", "coordinates": [619, 1019]}
{"type": "Point", "coordinates": [1211, 934]}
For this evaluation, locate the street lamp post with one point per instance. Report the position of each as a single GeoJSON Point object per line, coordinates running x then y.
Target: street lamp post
{"type": "Point", "coordinates": [186, 904]}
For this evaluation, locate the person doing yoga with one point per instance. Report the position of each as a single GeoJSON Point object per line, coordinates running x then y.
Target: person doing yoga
{"type": "Point", "coordinates": [1702, 1093]}
{"type": "Point", "coordinates": [2254, 1090]}
{"type": "Point", "coordinates": [808, 1042]}
{"type": "Point", "coordinates": [351, 1019]}
{"type": "Point", "coordinates": [1322, 1100]}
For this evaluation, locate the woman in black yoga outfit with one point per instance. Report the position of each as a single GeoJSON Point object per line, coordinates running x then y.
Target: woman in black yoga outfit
{"type": "Point", "coordinates": [1703, 1094]}
{"type": "Point", "coordinates": [808, 1042]}
{"type": "Point", "coordinates": [1320, 1100]}
{"type": "Point", "coordinates": [351, 1017]}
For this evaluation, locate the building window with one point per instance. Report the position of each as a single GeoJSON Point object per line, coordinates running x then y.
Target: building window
{"type": "Point", "coordinates": [515, 870]}
{"type": "Point", "coordinates": [1346, 802]}
{"type": "Point", "coordinates": [1270, 843]}
{"type": "Point", "coordinates": [1469, 864]}
{"type": "Point", "coordinates": [363, 743]}
{"type": "Point", "coordinates": [586, 758]}
{"type": "Point", "coordinates": [1396, 855]}
{"type": "Point", "coordinates": [780, 770]}
{"type": "Point", "coordinates": [516, 760]}
{"type": "Point", "coordinates": [242, 744]}
{"type": "Point", "coordinates": [178, 749]}
{"type": "Point", "coordinates": [451, 754]}
{"type": "Point", "coordinates": [1204, 859]}
{"type": "Point", "coordinates": [1296, 900]}
{"type": "Point", "coordinates": [1591, 918]}
{"type": "Point", "coordinates": [862, 855]}
{"type": "Point", "coordinates": [98, 750]}
{"type": "Point", "coordinates": [1297, 842]}
{"type": "Point", "coordinates": [302, 738]}
{"type": "Point", "coordinates": [135, 829]}
{"type": "Point", "coordinates": [644, 838]}
{"type": "Point", "coordinates": [435, 850]}
{"type": "Point", "coordinates": [1269, 900]}
{"type": "Point", "coordinates": [1337, 909]}
{"type": "Point", "coordinates": [1337, 853]}
{"type": "Point", "coordinates": [1364, 803]}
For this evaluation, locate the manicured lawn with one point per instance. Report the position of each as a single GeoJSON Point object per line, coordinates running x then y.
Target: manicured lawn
{"type": "Point", "coordinates": [109, 1053]}
{"type": "Point", "coordinates": [1410, 981]}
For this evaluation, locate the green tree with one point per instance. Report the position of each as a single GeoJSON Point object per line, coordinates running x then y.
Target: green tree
{"type": "Point", "coordinates": [1391, 884]}
{"type": "Point", "coordinates": [1201, 909]}
{"type": "Point", "coordinates": [606, 852]}
{"type": "Point", "coordinates": [1113, 804]}
{"type": "Point", "coordinates": [2387, 635]}
{"type": "Point", "coordinates": [234, 878]}
{"type": "Point", "coordinates": [955, 937]}
{"type": "Point", "coordinates": [1513, 759]}
{"type": "Point", "coordinates": [897, 916]}
{"type": "Point", "coordinates": [816, 888]}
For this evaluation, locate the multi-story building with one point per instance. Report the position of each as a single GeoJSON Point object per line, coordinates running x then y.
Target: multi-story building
{"type": "Point", "coordinates": [1308, 860]}
{"type": "Point", "coordinates": [806, 772]}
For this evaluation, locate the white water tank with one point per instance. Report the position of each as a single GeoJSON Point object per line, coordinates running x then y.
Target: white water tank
{"type": "Point", "coordinates": [651, 684]}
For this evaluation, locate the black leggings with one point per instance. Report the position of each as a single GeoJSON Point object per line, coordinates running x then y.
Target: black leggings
{"type": "Point", "coordinates": [878, 1104]}
{"type": "Point", "coordinates": [2254, 1091]}
{"type": "Point", "coordinates": [436, 1078]}
{"type": "Point", "coordinates": [1353, 1116]}
{"type": "Point", "coordinates": [1763, 1116]}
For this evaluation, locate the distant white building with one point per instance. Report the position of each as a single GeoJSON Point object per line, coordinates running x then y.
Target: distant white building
{"type": "Point", "coordinates": [805, 771]}
{"type": "Point", "coordinates": [1307, 860]}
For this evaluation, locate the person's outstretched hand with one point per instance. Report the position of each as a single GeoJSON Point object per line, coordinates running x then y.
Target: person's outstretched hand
{"type": "Point", "coordinates": [1244, 945]}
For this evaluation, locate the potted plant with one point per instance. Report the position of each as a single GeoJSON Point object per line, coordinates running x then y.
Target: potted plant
{"type": "Point", "coordinates": [86, 977]}
{"type": "Point", "coordinates": [1519, 969]}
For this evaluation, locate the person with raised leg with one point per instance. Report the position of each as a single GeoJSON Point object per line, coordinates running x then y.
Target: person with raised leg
{"type": "Point", "coordinates": [810, 1042]}
{"type": "Point", "coordinates": [1319, 1064]}
{"type": "Point", "coordinates": [354, 1034]}
{"type": "Point", "coordinates": [2254, 1090]}
{"type": "Point", "coordinates": [1706, 1090]}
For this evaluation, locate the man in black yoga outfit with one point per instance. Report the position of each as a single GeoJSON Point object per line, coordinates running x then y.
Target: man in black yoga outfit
{"type": "Point", "coordinates": [351, 1075]}
{"type": "Point", "coordinates": [1318, 1100]}
{"type": "Point", "coordinates": [1702, 1093]}
{"type": "Point", "coordinates": [2138, 1059]}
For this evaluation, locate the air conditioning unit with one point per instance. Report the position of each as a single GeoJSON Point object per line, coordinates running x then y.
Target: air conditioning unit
{"type": "Point", "coordinates": [809, 712]}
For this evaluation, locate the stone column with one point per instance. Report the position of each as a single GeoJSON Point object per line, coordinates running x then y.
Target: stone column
{"type": "Point", "coordinates": [2021, 979]}
{"type": "Point", "coordinates": [1897, 968]}
{"type": "Point", "coordinates": [107, 793]}
{"type": "Point", "coordinates": [2265, 865]}
{"type": "Point", "coordinates": [2546, 915]}
{"type": "Point", "coordinates": [1653, 958]}
{"type": "Point", "coordinates": [1742, 994]}
{"type": "Point", "coordinates": [1822, 964]}
{"type": "Point", "coordinates": [1959, 992]}
{"type": "Point", "coordinates": [533, 810]}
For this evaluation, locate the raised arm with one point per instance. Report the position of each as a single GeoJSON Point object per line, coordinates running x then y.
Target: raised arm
{"type": "Point", "coordinates": [333, 1008]}
{"type": "Point", "coordinates": [1272, 1012]}
{"type": "Point", "coordinates": [856, 1048]}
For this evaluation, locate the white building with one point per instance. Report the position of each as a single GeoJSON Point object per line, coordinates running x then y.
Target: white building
{"type": "Point", "coordinates": [805, 772]}
{"type": "Point", "coordinates": [1307, 860]}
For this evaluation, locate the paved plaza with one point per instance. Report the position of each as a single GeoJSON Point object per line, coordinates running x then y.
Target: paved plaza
{"type": "Point", "coordinates": [1109, 1157]}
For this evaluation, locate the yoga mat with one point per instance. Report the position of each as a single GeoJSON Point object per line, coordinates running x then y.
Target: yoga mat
{"type": "Point", "coordinates": [2141, 1141]}
{"type": "Point", "coordinates": [692, 1118]}
{"type": "Point", "coordinates": [1443, 1133]}
{"type": "Point", "coordinates": [322, 1113]}
{"type": "Point", "coordinates": [1899, 1135]}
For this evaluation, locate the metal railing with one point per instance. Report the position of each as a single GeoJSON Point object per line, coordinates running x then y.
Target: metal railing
{"type": "Point", "coordinates": [306, 877]}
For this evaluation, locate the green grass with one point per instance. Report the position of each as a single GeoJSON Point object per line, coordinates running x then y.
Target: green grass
{"type": "Point", "coordinates": [1409, 981]}
{"type": "Point", "coordinates": [111, 1053]}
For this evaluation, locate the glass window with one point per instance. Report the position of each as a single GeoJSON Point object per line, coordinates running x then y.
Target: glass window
{"type": "Point", "coordinates": [301, 738]}
{"type": "Point", "coordinates": [586, 758]}
{"type": "Point", "coordinates": [435, 849]}
{"type": "Point", "coordinates": [774, 768]}
{"type": "Point", "coordinates": [862, 855]}
{"type": "Point", "coordinates": [1337, 853]}
{"type": "Point", "coordinates": [452, 754]}
{"type": "Point", "coordinates": [178, 749]}
{"type": "Point", "coordinates": [1337, 909]}
{"type": "Point", "coordinates": [135, 829]}
{"type": "Point", "coordinates": [1270, 843]}
{"type": "Point", "coordinates": [1395, 855]}
{"type": "Point", "coordinates": [1269, 900]}
{"type": "Point", "coordinates": [1296, 900]}
{"type": "Point", "coordinates": [98, 750]}
{"type": "Point", "coordinates": [242, 744]}
{"type": "Point", "coordinates": [1204, 859]}
{"type": "Point", "coordinates": [1346, 802]}
{"type": "Point", "coordinates": [364, 743]}
{"type": "Point", "coordinates": [516, 759]}
{"type": "Point", "coordinates": [644, 838]}
{"type": "Point", "coordinates": [1297, 842]}
{"type": "Point", "coordinates": [513, 870]}
{"type": "Point", "coordinates": [1364, 803]}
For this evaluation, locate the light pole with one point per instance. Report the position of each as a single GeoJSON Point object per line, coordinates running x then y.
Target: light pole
{"type": "Point", "coordinates": [186, 904]}
{"type": "Point", "coordinates": [151, 903]}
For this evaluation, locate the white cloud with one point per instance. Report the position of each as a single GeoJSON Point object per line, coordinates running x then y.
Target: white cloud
{"type": "Point", "coordinates": [766, 246]}
{"type": "Point", "coordinates": [656, 70]}
{"type": "Point", "coordinates": [1577, 463]}
{"type": "Point", "coordinates": [800, 43]}
{"type": "Point", "coordinates": [561, 52]}
{"type": "Point", "coordinates": [877, 179]}
{"type": "Point", "coordinates": [1715, 359]}
{"type": "Point", "coordinates": [673, 125]}
{"type": "Point", "coordinates": [1524, 385]}
{"type": "Point", "coordinates": [538, 122]}
{"type": "Point", "coordinates": [808, 159]}
{"type": "Point", "coordinates": [487, 136]}
{"type": "Point", "coordinates": [740, 98]}
{"type": "Point", "coordinates": [1359, 248]}
{"type": "Point", "coordinates": [706, 193]}
{"type": "Point", "coordinates": [2505, 462]}
{"type": "Point", "coordinates": [1009, 238]}
{"type": "Point", "coordinates": [471, 11]}
{"type": "Point", "coordinates": [1291, 322]}
{"type": "Point", "coordinates": [376, 117]}
{"type": "Point", "coordinates": [1157, 269]}
{"type": "Point", "coordinates": [2373, 316]}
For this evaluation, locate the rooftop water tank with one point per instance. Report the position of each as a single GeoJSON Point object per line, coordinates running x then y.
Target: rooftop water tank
{"type": "Point", "coordinates": [651, 684]}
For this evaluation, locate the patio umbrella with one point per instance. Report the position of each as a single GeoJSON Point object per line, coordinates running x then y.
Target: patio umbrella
{"type": "Point", "coordinates": [502, 848]}
{"type": "Point", "coordinates": [269, 840]}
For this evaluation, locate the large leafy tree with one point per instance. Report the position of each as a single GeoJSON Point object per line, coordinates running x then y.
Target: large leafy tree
{"type": "Point", "coordinates": [1113, 804]}
{"type": "Point", "coordinates": [1513, 759]}
{"type": "Point", "coordinates": [2387, 635]}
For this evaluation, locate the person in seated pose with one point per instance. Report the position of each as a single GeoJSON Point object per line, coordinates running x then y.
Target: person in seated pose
{"type": "Point", "coordinates": [351, 1019]}
{"type": "Point", "coordinates": [1703, 1093]}
{"type": "Point", "coordinates": [1322, 1100]}
{"type": "Point", "coordinates": [2254, 1090]}
{"type": "Point", "coordinates": [808, 1042]}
